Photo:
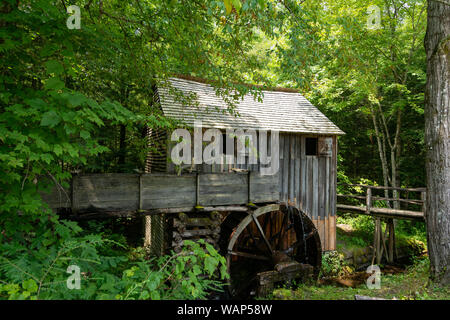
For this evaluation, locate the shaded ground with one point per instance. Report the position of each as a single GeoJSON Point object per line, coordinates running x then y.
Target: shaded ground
{"type": "Point", "coordinates": [410, 284]}
{"type": "Point", "coordinates": [357, 279]}
{"type": "Point", "coordinates": [344, 272]}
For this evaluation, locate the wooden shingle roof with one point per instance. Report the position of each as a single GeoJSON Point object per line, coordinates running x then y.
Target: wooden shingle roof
{"type": "Point", "coordinates": [280, 110]}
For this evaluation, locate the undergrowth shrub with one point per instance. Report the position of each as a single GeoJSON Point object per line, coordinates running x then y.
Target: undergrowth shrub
{"type": "Point", "coordinates": [333, 264]}
{"type": "Point", "coordinates": [108, 270]}
{"type": "Point", "coordinates": [191, 274]}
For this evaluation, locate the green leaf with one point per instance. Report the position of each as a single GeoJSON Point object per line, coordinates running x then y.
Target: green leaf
{"type": "Point", "coordinates": [37, 103]}
{"type": "Point", "coordinates": [30, 285]}
{"type": "Point", "coordinates": [210, 264]}
{"type": "Point", "coordinates": [57, 150]}
{"type": "Point", "coordinates": [50, 119]}
{"type": "Point", "coordinates": [54, 66]}
{"type": "Point", "coordinates": [237, 4]}
{"type": "Point", "coordinates": [85, 134]}
{"type": "Point", "coordinates": [145, 295]}
{"type": "Point", "coordinates": [77, 99]}
{"type": "Point", "coordinates": [154, 295]}
{"type": "Point", "coordinates": [54, 84]}
{"type": "Point", "coordinates": [196, 270]}
{"type": "Point", "coordinates": [11, 288]}
{"type": "Point", "coordinates": [228, 6]}
{"type": "Point", "coordinates": [210, 248]}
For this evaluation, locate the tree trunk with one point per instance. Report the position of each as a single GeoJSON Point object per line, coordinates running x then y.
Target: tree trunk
{"type": "Point", "coordinates": [122, 147]}
{"type": "Point", "coordinates": [382, 154]}
{"type": "Point", "coordinates": [437, 133]}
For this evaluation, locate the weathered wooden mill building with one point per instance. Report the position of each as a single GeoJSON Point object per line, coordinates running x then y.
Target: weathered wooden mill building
{"type": "Point", "coordinates": [270, 219]}
{"type": "Point", "coordinates": [307, 144]}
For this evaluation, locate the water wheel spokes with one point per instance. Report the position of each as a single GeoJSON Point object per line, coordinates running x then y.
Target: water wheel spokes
{"type": "Point", "coordinates": [266, 239]}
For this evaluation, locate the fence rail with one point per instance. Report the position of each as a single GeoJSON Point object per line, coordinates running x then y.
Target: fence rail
{"type": "Point", "coordinates": [369, 206]}
{"type": "Point", "coordinates": [380, 246]}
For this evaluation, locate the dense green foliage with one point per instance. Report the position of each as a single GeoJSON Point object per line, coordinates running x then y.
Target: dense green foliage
{"type": "Point", "coordinates": [110, 273]}
{"type": "Point", "coordinates": [332, 264]}
{"type": "Point", "coordinates": [372, 83]}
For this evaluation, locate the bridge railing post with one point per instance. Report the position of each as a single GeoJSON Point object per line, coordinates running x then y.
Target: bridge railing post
{"type": "Point", "coordinates": [368, 199]}
{"type": "Point", "coordinates": [423, 197]}
{"type": "Point", "coordinates": [391, 242]}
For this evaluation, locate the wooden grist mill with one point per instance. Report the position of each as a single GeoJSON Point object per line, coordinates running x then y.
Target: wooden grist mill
{"type": "Point", "coordinates": [271, 227]}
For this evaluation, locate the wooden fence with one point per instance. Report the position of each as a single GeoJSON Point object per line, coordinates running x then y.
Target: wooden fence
{"type": "Point", "coordinates": [385, 212]}
{"type": "Point", "coordinates": [370, 207]}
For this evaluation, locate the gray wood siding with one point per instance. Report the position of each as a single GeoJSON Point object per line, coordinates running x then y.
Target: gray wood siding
{"type": "Point", "coordinates": [215, 168]}
{"type": "Point", "coordinates": [130, 192]}
{"type": "Point", "coordinates": [307, 182]}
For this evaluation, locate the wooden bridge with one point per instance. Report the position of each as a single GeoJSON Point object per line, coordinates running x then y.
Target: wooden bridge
{"type": "Point", "coordinates": [410, 207]}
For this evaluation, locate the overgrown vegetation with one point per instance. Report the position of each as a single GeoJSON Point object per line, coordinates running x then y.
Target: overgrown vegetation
{"type": "Point", "coordinates": [412, 284]}
{"type": "Point", "coordinates": [333, 265]}
{"type": "Point", "coordinates": [341, 279]}
{"type": "Point", "coordinates": [109, 270]}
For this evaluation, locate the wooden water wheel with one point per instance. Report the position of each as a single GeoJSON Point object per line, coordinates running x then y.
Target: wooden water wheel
{"type": "Point", "coordinates": [272, 243]}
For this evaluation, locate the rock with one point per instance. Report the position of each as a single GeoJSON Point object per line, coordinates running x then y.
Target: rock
{"type": "Point", "coordinates": [345, 227]}
{"type": "Point", "coordinates": [348, 254]}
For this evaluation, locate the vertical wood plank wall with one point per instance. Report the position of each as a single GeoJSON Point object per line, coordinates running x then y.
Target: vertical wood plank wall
{"type": "Point", "coordinates": [309, 182]}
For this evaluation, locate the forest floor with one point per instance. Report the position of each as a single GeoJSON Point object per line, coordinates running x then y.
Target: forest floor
{"type": "Point", "coordinates": [341, 279]}
{"type": "Point", "coordinates": [410, 284]}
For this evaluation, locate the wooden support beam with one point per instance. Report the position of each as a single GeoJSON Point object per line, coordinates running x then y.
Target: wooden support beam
{"type": "Point", "coordinates": [383, 235]}
{"type": "Point", "coordinates": [378, 240]}
{"type": "Point", "coordinates": [149, 213]}
{"type": "Point", "coordinates": [147, 219]}
{"type": "Point", "coordinates": [105, 214]}
{"type": "Point", "coordinates": [147, 231]}
{"type": "Point", "coordinates": [391, 245]}
{"type": "Point", "coordinates": [368, 200]}
{"type": "Point", "coordinates": [383, 212]}
{"type": "Point", "coordinates": [289, 271]}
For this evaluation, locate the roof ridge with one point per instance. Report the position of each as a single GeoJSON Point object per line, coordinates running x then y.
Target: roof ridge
{"type": "Point", "coordinates": [249, 85]}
